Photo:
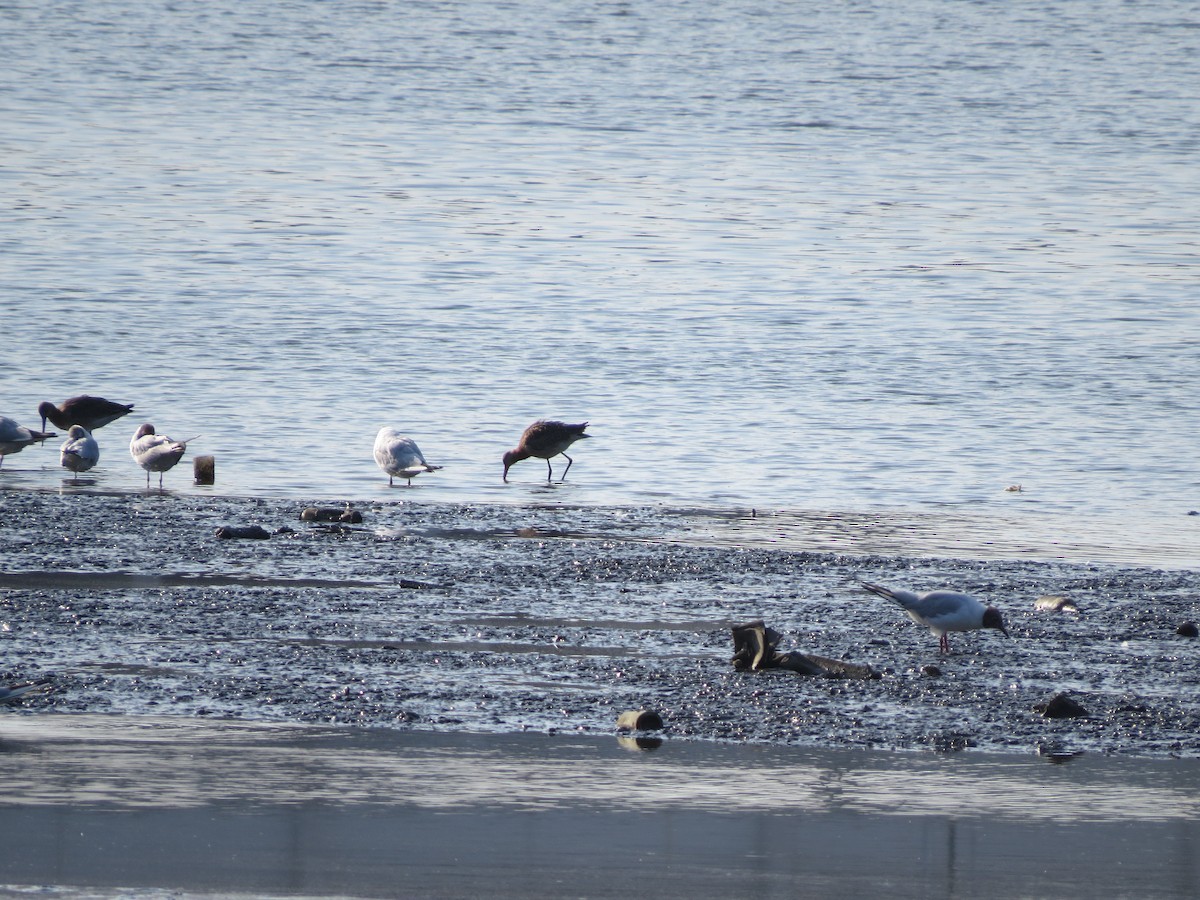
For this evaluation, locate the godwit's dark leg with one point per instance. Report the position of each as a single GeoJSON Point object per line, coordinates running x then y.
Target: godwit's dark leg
{"type": "Point", "coordinates": [568, 468]}
{"type": "Point", "coordinates": [944, 643]}
{"type": "Point", "coordinates": [549, 470]}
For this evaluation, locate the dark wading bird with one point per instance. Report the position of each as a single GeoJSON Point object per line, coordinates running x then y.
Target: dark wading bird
{"type": "Point", "coordinates": [943, 611]}
{"type": "Point", "coordinates": [14, 438]}
{"type": "Point", "coordinates": [90, 412]}
{"type": "Point", "coordinates": [545, 439]}
{"type": "Point", "coordinates": [156, 452]}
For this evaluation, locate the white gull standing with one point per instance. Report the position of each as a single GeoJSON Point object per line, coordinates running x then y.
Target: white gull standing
{"type": "Point", "coordinates": [79, 451]}
{"type": "Point", "coordinates": [399, 456]}
{"type": "Point", "coordinates": [943, 611]}
{"type": "Point", "coordinates": [14, 438]}
{"type": "Point", "coordinates": [155, 452]}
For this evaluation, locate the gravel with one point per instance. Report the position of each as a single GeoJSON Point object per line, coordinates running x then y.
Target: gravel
{"type": "Point", "coordinates": [501, 619]}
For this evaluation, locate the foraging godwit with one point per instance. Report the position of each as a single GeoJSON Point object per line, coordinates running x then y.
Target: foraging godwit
{"type": "Point", "coordinates": [90, 412]}
{"type": "Point", "coordinates": [545, 439]}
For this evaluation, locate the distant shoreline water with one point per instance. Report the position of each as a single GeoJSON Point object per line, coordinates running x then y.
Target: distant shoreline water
{"type": "Point", "coordinates": [828, 260]}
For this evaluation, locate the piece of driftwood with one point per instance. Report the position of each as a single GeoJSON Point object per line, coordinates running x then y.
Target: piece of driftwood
{"type": "Point", "coordinates": [639, 720]}
{"type": "Point", "coordinates": [204, 469]}
{"type": "Point", "coordinates": [639, 742]}
{"type": "Point", "coordinates": [755, 647]}
{"type": "Point", "coordinates": [1055, 603]}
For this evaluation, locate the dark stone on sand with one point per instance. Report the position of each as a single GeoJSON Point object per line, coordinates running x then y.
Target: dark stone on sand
{"type": "Point", "coordinates": [640, 743]}
{"type": "Point", "coordinates": [1187, 629]}
{"type": "Point", "coordinates": [253, 532]}
{"type": "Point", "coordinates": [950, 742]}
{"type": "Point", "coordinates": [931, 671]}
{"type": "Point", "coordinates": [1056, 753]}
{"type": "Point", "coordinates": [755, 649]}
{"type": "Point", "coordinates": [639, 720]}
{"type": "Point", "coordinates": [1061, 706]}
{"type": "Point", "coordinates": [335, 528]}
{"type": "Point", "coordinates": [331, 514]}
{"type": "Point", "coordinates": [204, 469]}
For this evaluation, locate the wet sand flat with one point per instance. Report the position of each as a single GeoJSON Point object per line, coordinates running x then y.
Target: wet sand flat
{"type": "Point", "coordinates": [498, 619]}
{"type": "Point", "coordinates": [121, 805]}
{"type": "Point", "coordinates": [424, 705]}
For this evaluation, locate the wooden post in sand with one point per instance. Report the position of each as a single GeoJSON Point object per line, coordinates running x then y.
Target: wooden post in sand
{"type": "Point", "coordinates": [205, 469]}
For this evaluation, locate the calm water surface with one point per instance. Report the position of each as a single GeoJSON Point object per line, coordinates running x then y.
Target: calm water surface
{"type": "Point", "coordinates": [825, 258]}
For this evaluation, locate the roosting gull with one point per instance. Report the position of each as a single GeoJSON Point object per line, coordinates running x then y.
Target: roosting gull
{"type": "Point", "coordinates": [156, 452]}
{"type": "Point", "coordinates": [79, 451]}
{"type": "Point", "coordinates": [943, 611]}
{"type": "Point", "coordinates": [90, 412]}
{"type": "Point", "coordinates": [14, 438]}
{"type": "Point", "coordinates": [399, 456]}
{"type": "Point", "coordinates": [545, 439]}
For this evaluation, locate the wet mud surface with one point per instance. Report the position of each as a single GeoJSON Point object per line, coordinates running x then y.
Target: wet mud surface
{"type": "Point", "coordinates": [506, 619]}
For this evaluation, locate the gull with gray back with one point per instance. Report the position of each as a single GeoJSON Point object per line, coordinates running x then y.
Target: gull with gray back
{"type": "Point", "coordinates": [943, 611]}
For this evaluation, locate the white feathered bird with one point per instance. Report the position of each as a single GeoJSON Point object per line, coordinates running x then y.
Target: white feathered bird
{"type": "Point", "coordinates": [14, 438]}
{"type": "Point", "coordinates": [12, 692]}
{"type": "Point", "coordinates": [79, 451]}
{"type": "Point", "coordinates": [399, 456]}
{"type": "Point", "coordinates": [156, 452]}
{"type": "Point", "coordinates": [943, 611]}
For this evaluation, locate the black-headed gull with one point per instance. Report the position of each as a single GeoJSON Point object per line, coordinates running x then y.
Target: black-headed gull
{"type": "Point", "coordinates": [545, 440]}
{"type": "Point", "coordinates": [943, 611]}
{"type": "Point", "coordinates": [156, 452]}
{"type": "Point", "coordinates": [14, 438]}
{"type": "Point", "coordinates": [399, 456]}
{"type": "Point", "coordinates": [90, 412]}
{"type": "Point", "coordinates": [11, 692]}
{"type": "Point", "coordinates": [79, 451]}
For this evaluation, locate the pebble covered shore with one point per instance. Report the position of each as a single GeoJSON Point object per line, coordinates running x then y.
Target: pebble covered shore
{"type": "Point", "coordinates": [504, 618]}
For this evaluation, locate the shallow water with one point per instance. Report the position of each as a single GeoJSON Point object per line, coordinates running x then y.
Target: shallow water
{"type": "Point", "coordinates": [828, 260]}
{"type": "Point", "coordinates": [156, 807]}
{"type": "Point", "coordinates": [52, 761]}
